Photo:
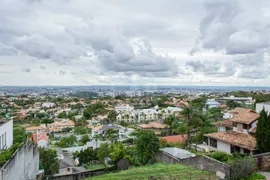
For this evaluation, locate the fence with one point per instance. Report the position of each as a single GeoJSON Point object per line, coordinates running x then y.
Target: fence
{"type": "Point", "coordinates": [199, 162]}
{"type": "Point", "coordinates": [263, 161]}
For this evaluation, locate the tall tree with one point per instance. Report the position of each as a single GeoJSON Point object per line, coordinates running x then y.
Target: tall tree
{"type": "Point", "coordinates": [188, 114]}
{"type": "Point", "coordinates": [263, 132]}
{"type": "Point", "coordinates": [48, 158]}
{"type": "Point", "coordinates": [147, 144]}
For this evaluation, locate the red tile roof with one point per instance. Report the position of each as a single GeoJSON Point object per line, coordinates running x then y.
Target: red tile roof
{"type": "Point", "coordinates": [176, 138]}
{"type": "Point", "coordinates": [237, 139]}
{"type": "Point", "coordinates": [225, 123]}
{"type": "Point", "coordinates": [245, 116]}
{"type": "Point", "coordinates": [153, 125]}
{"type": "Point", "coordinates": [39, 137]}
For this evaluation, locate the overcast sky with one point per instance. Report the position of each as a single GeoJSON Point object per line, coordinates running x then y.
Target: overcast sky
{"type": "Point", "coordinates": [139, 42]}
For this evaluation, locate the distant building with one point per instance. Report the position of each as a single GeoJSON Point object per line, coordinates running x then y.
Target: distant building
{"type": "Point", "coordinates": [48, 105]}
{"type": "Point", "coordinates": [6, 133]}
{"type": "Point", "coordinates": [124, 108]}
{"type": "Point", "coordinates": [243, 100]}
{"type": "Point", "coordinates": [211, 103]}
{"type": "Point", "coordinates": [40, 138]}
{"type": "Point", "coordinates": [265, 105]}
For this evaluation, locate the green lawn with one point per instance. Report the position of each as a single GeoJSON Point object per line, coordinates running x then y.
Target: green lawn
{"type": "Point", "coordinates": [95, 166]}
{"type": "Point", "coordinates": [160, 171]}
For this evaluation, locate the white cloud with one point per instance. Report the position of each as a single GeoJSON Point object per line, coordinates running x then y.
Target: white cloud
{"type": "Point", "coordinates": [134, 42]}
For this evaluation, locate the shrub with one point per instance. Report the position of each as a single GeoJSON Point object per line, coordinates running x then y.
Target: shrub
{"type": "Point", "coordinates": [220, 156]}
{"type": "Point", "coordinates": [256, 176]}
{"type": "Point", "coordinates": [242, 168]}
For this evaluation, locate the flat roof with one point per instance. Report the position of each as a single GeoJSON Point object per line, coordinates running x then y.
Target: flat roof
{"type": "Point", "coordinates": [3, 121]}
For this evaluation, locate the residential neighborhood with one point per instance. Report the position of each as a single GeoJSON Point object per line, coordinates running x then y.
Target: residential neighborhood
{"type": "Point", "coordinates": [78, 131]}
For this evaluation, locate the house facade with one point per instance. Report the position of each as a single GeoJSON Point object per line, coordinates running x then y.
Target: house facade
{"type": "Point", "coordinates": [236, 135]}
{"type": "Point", "coordinates": [6, 133]}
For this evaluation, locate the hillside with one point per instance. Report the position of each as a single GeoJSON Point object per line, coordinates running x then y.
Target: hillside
{"type": "Point", "coordinates": [160, 171]}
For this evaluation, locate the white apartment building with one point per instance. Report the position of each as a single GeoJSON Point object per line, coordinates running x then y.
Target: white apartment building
{"type": "Point", "coordinates": [124, 108]}
{"type": "Point", "coordinates": [6, 133]}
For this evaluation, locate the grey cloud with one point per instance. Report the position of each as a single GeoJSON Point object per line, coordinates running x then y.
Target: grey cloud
{"type": "Point", "coordinates": [137, 57]}
{"type": "Point", "coordinates": [226, 27]}
{"type": "Point", "coordinates": [212, 68]}
{"type": "Point", "coordinates": [42, 67]}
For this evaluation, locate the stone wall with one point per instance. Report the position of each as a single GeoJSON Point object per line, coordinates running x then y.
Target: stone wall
{"type": "Point", "coordinates": [24, 164]}
{"type": "Point", "coordinates": [263, 161]}
{"type": "Point", "coordinates": [78, 175]}
{"type": "Point", "coordinates": [199, 162]}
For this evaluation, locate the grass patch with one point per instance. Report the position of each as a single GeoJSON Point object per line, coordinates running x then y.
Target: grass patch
{"type": "Point", "coordinates": [95, 166]}
{"type": "Point", "coordinates": [164, 171]}
{"type": "Point", "coordinates": [256, 176]}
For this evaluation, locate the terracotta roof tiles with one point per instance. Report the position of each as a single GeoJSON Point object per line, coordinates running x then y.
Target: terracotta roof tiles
{"type": "Point", "coordinates": [237, 139]}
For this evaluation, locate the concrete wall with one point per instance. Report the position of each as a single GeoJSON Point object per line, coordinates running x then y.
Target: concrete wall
{"type": "Point", "coordinates": [260, 106]}
{"type": "Point", "coordinates": [79, 175]}
{"type": "Point", "coordinates": [199, 162]}
{"type": "Point", "coordinates": [6, 135]}
{"type": "Point", "coordinates": [224, 147]}
{"type": "Point", "coordinates": [24, 164]}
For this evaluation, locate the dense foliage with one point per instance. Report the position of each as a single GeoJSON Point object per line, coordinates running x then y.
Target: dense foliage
{"type": "Point", "coordinates": [66, 142]}
{"type": "Point", "coordinates": [147, 144]}
{"type": "Point", "coordinates": [85, 156]}
{"type": "Point", "coordinates": [263, 132]}
{"type": "Point", "coordinates": [48, 158]}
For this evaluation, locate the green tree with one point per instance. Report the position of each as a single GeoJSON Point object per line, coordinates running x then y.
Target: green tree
{"type": "Point", "coordinates": [85, 156]}
{"type": "Point", "coordinates": [62, 115]}
{"type": "Point", "coordinates": [103, 152]}
{"type": "Point", "coordinates": [85, 139]}
{"type": "Point", "coordinates": [112, 115]}
{"type": "Point", "coordinates": [87, 114]}
{"type": "Point", "coordinates": [19, 135]}
{"type": "Point", "coordinates": [147, 144]}
{"type": "Point", "coordinates": [170, 120]}
{"type": "Point", "coordinates": [48, 158]}
{"type": "Point", "coordinates": [67, 141]}
{"type": "Point", "coordinates": [263, 132]}
{"type": "Point", "coordinates": [111, 135]}
{"type": "Point", "coordinates": [117, 152]}
{"type": "Point", "coordinates": [80, 130]}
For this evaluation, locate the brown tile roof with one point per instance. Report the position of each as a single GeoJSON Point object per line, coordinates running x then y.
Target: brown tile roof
{"type": "Point", "coordinates": [238, 139]}
{"type": "Point", "coordinates": [62, 123]}
{"type": "Point", "coordinates": [32, 128]}
{"type": "Point", "coordinates": [175, 139]}
{"type": "Point", "coordinates": [153, 125]}
{"type": "Point", "coordinates": [245, 116]}
{"type": "Point", "coordinates": [225, 123]}
{"type": "Point", "coordinates": [42, 136]}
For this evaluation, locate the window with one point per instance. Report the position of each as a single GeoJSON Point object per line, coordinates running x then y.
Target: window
{"type": "Point", "coordinates": [235, 149]}
{"type": "Point", "coordinates": [213, 143]}
{"type": "Point", "coordinates": [5, 138]}
{"type": "Point", "coordinates": [245, 126]}
{"type": "Point", "coordinates": [246, 152]}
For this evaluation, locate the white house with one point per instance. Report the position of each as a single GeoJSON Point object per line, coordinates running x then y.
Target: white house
{"type": "Point", "coordinates": [124, 108]}
{"type": "Point", "coordinates": [48, 105]}
{"type": "Point", "coordinates": [211, 103]}
{"type": "Point", "coordinates": [6, 133]}
{"type": "Point", "coordinates": [245, 100]}
{"type": "Point", "coordinates": [236, 134]}
{"type": "Point", "coordinates": [260, 106]}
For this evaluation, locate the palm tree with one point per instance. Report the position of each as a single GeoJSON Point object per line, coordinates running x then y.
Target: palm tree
{"type": "Point", "coordinates": [97, 137]}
